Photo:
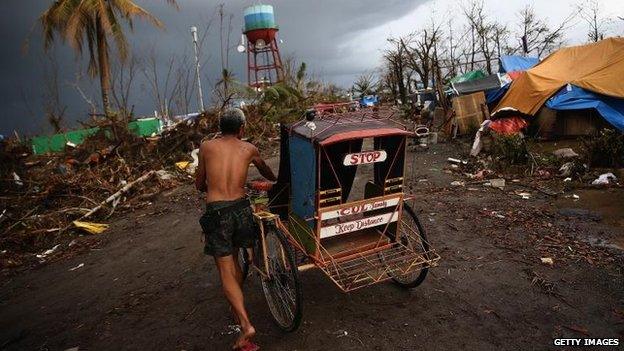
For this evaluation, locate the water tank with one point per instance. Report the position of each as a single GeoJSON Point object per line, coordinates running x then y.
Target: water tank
{"type": "Point", "coordinates": [259, 17]}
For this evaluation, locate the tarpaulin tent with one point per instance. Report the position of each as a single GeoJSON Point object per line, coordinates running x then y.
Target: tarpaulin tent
{"type": "Point", "coordinates": [468, 76]}
{"type": "Point", "coordinates": [596, 67]}
{"type": "Point", "coordinates": [575, 98]}
{"type": "Point", "coordinates": [515, 63]}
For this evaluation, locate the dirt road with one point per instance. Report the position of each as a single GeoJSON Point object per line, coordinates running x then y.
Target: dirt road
{"type": "Point", "coordinates": [146, 285]}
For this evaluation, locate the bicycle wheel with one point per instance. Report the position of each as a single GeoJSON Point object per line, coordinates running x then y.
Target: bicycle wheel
{"type": "Point", "coordinates": [413, 236]}
{"type": "Point", "coordinates": [282, 290]}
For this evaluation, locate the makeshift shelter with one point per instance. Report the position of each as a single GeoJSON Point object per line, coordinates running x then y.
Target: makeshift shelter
{"type": "Point", "coordinates": [594, 68]}
{"type": "Point", "coordinates": [575, 98]}
{"type": "Point", "coordinates": [556, 124]}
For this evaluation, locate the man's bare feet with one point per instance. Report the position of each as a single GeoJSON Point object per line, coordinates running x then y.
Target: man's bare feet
{"type": "Point", "coordinates": [246, 334]}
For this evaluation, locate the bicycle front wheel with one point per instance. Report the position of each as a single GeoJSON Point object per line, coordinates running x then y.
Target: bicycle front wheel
{"type": "Point", "coordinates": [282, 288]}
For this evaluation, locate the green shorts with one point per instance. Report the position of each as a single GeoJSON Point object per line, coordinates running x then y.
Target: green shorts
{"type": "Point", "coordinates": [228, 226]}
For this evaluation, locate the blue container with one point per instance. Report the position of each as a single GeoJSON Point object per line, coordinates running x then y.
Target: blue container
{"type": "Point", "coordinates": [259, 17]}
{"type": "Point", "coordinates": [369, 101]}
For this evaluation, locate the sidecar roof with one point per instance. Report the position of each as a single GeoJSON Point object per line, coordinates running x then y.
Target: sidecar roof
{"type": "Point", "coordinates": [347, 126]}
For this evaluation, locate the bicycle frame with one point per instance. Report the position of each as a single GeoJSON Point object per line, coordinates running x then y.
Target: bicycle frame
{"type": "Point", "coordinates": [261, 218]}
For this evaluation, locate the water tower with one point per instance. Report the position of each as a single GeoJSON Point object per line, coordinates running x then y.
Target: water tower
{"type": "Point", "coordinates": [264, 64]}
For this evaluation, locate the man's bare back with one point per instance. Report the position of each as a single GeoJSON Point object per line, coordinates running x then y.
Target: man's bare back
{"type": "Point", "coordinates": [223, 168]}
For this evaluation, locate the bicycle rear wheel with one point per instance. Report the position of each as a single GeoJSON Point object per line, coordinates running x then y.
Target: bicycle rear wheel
{"type": "Point", "coordinates": [282, 289]}
{"type": "Point", "coordinates": [412, 236]}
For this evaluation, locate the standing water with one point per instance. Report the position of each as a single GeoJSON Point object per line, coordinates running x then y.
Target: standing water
{"type": "Point", "coordinates": [607, 203]}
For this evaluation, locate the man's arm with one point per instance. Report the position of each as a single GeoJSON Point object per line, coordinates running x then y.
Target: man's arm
{"type": "Point", "coordinates": [200, 171]}
{"type": "Point", "coordinates": [262, 167]}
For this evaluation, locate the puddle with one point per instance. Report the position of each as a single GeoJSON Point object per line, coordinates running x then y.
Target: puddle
{"type": "Point", "coordinates": [604, 205]}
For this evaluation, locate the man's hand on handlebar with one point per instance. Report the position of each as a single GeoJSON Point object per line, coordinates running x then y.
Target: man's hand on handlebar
{"type": "Point", "coordinates": [260, 185]}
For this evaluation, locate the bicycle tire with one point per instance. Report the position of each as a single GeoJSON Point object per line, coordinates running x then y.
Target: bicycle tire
{"type": "Point", "coordinates": [272, 285]}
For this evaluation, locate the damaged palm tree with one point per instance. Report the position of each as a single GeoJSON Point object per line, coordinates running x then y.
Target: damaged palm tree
{"type": "Point", "coordinates": [93, 23]}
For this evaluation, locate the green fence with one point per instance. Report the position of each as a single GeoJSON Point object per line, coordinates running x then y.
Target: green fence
{"type": "Point", "coordinates": [56, 143]}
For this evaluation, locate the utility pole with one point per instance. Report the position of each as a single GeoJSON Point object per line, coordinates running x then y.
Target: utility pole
{"type": "Point", "coordinates": [200, 94]}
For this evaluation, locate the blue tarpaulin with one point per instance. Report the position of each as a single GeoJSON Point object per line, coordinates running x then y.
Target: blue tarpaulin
{"type": "Point", "coordinates": [574, 98]}
{"type": "Point", "coordinates": [493, 95]}
{"type": "Point", "coordinates": [516, 63]}
{"type": "Point", "coordinates": [369, 100]}
{"type": "Point", "coordinates": [509, 64]}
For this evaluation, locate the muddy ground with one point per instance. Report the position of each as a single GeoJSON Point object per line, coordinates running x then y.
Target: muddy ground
{"type": "Point", "coordinates": [146, 285]}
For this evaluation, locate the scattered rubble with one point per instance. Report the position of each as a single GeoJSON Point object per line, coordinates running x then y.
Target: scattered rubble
{"type": "Point", "coordinates": [91, 228]}
{"type": "Point", "coordinates": [565, 153]}
{"type": "Point", "coordinates": [77, 267]}
{"type": "Point", "coordinates": [497, 183]}
{"type": "Point", "coordinates": [45, 199]}
{"type": "Point", "coordinates": [606, 178]}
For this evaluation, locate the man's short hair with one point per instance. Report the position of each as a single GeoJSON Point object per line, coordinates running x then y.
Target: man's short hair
{"type": "Point", "coordinates": [231, 121]}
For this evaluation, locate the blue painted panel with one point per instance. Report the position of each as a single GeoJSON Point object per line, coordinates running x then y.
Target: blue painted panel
{"type": "Point", "coordinates": [303, 177]}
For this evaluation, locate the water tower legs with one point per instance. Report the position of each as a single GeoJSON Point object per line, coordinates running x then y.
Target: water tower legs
{"type": "Point", "coordinates": [264, 64]}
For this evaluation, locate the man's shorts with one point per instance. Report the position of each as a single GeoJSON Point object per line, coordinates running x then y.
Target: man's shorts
{"type": "Point", "coordinates": [228, 226]}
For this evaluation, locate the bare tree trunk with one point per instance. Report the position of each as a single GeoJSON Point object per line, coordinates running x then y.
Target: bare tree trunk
{"type": "Point", "coordinates": [473, 47]}
{"type": "Point", "coordinates": [401, 82]}
{"type": "Point", "coordinates": [438, 78]}
{"type": "Point", "coordinates": [453, 72]}
{"type": "Point", "coordinates": [488, 63]}
{"type": "Point", "coordinates": [104, 67]}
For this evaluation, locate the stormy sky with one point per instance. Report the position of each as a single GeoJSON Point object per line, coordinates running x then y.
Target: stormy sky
{"type": "Point", "coordinates": [337, 39]}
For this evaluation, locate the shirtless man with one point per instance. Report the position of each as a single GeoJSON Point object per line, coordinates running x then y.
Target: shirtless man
{"type": "Point", "coordinates": [228, 222]}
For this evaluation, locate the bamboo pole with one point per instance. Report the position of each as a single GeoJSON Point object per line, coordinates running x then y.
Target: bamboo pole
{"type": "Point", "coordinates": [118, 194]}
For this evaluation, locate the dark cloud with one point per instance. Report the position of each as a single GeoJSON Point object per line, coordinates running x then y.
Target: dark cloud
{"type": "Point", "coordinates": [321, 33]}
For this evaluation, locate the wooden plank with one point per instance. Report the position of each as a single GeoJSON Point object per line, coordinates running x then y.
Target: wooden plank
{"type": "Point", "coordinates": [469, 112]}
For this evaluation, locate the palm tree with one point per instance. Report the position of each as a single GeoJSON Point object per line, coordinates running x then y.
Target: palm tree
{"type": "Point", "coordinates": [365, 85]}
{"type": "Point", "coordinates": [92, 23]}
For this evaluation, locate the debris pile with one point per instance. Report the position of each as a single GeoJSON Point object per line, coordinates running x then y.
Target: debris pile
{"type": "Point", "coordinates": [48, 200]}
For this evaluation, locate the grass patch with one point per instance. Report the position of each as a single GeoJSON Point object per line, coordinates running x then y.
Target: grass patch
{"type": "Point", "coordinates": [510, 150]}
{"type": "Point", "coordinates": [606, 149]}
